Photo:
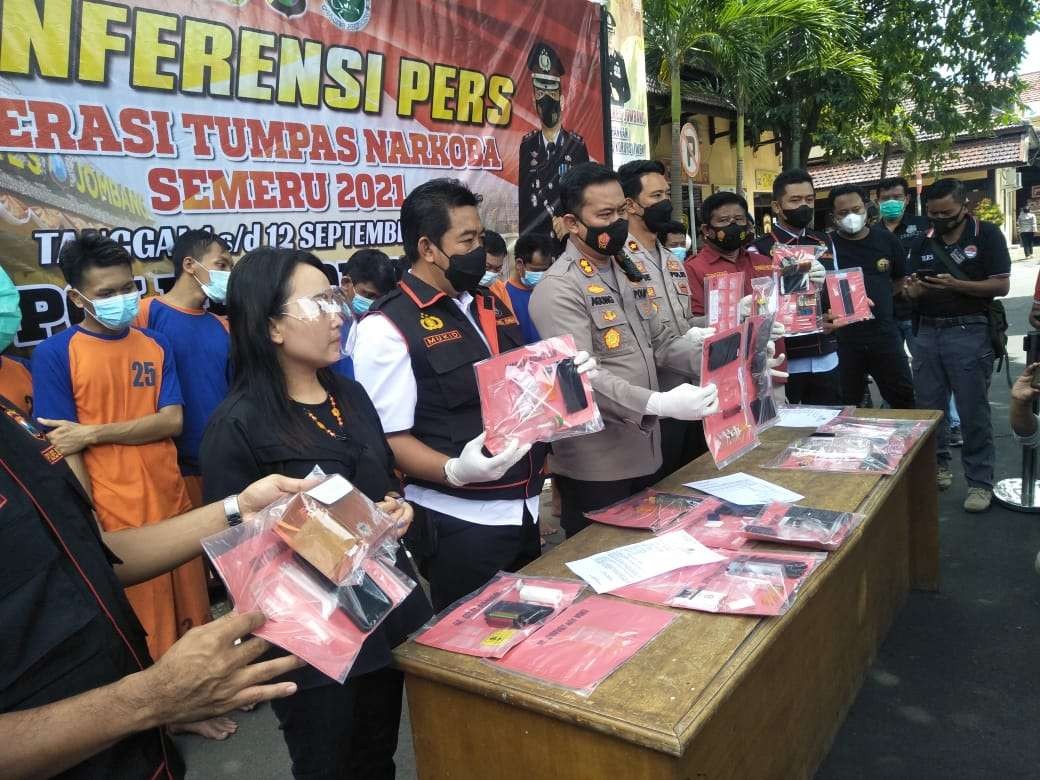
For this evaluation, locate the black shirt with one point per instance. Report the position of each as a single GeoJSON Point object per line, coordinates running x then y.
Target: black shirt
{"type": "Point", "coordinates": [981, 253]}
{"type": "Point", "coordinates": [65, 624]}
{"type": "Point", "coordinates": [241, 446]}
{"type": "Point", "coordinates": [883, 260]}
{"type": "Point", "coordinates": [910, 231]}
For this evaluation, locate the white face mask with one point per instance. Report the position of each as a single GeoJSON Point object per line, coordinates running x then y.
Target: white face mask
{"type": "Point", "coordinates": [852, 223]}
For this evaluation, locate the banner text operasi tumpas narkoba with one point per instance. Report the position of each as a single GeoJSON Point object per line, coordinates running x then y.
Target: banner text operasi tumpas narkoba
{"type": "Point", "coordinates": [295, 123]}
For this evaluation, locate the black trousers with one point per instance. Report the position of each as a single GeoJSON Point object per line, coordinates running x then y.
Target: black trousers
{"type": "Point", "coordinates": [681, 443]}
{"type": "Point", "coordinates": [344, 732]}
{"type": "Point", "coordinates": [886, 362]}
{"type": "Point", "coordinates": [466, 555]}
{"type": "Point", "coordinates": [578, 496]}
{"type": "Point", "coordinates": [823, 389]}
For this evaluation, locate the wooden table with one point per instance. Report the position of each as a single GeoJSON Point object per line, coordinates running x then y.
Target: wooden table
{"type": "Point", "coordinates": [713, 695]}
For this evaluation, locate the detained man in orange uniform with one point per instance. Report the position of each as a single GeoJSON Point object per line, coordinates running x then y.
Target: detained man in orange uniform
{"type": "Point", "coordinates": [110, 397]}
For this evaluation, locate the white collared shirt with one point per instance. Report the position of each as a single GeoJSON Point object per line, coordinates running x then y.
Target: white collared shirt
{"type": "Point", "coordinates": [383, 367]}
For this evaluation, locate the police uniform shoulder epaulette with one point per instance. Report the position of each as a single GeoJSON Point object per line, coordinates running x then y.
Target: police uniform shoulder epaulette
{"type": "Point", "coordinates": [575, 136]}
{"type": "Point", "coordinates": [530, 136]}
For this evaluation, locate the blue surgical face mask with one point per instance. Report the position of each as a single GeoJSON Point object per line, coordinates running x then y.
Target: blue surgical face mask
{"type": "Point", "coordinates": [361, 304]}
{"type": "Point", "coordinates": [10, 311]}
{"type": "Point", "coordinates": [117, 312]}
{"type": "Point", "coordinates": [679, 251]}
{"type": "Point", "coordinates": [489, 278]}
{"type": "Point", "coordinates": [531, 278]}
{"type": "Point", "coordinates": [216, 288]}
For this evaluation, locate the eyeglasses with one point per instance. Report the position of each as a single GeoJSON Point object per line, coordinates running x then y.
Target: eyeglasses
{"type": "Point", "coordinates": [328, 303]}
{"type": "Point", "coordinates": [727, 221]}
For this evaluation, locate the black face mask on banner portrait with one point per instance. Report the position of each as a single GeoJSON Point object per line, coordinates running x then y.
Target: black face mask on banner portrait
{"type": "Point", "coordinates": [729, 238]}
{"type": "Point", "coordinates": [800, 217]}
{"type": "Point", "coordinates": [658, 215]}
{"type": "Point", "coordinates": [607, 240]}
{"type": "Point", "coordinates": [465, 271]}
{"type": "Point", "coordinates": [549, 110]}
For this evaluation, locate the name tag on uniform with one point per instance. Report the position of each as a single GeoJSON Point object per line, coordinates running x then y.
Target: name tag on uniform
{"type": "Point", "coordinates": [442, 338]}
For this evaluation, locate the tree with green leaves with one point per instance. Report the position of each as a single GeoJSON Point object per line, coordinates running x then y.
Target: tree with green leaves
{"type": "Point", "coordinates": [944, 69]}
{"type": "Point", "coordinates": [742, 45]}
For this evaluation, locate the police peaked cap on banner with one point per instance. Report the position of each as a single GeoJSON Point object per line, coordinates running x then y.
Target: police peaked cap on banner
{"type": "Point", "coordinates": [546, 66]}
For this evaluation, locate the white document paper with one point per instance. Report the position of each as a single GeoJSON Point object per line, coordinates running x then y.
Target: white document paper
{"type": "Point", "coordinates": [607, 571]}
{"type": "Point", "coordinates": [331, 490]}
{"type": "Point", "coordinates": [741, 488]}
{"type": "Point", "coordinates": [805, 416]}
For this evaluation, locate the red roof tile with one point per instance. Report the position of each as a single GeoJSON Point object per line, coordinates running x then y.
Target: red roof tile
{"type": "Point", "coordinates": [966, 156]}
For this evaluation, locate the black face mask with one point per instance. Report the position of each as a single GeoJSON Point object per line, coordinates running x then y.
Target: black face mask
{"type": "Point", "coordinates": [800, 217]}
{"type": "Point", "coordinates": [730, 237]}
{"type": "Point", "coordinates": [658, 215]}
{"type": "Point", "coordinates": [548, 110]}
{"type": "Point", "coordinates": [607, 240]}
{"type": "Point", "coordinates": [944, 225]}
{"type": "Point", "coordinates": [465, 271]}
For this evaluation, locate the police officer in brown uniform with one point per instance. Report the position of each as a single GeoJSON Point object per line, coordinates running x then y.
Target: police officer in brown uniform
{"type": "Point", "coordinates": [650, 210]}
{"type": "Point", "coordinates": [595, 293]}
{"type": "Point", "coordinates": [546, 153]}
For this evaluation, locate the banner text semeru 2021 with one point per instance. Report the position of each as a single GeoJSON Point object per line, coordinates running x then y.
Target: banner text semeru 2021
{"type": "Point", "coordinates": [299, 123]}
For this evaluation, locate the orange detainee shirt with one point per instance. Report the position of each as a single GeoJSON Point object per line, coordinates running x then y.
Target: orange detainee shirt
{"type": "Point", "coordinates": [96, 379]}
{"type": "Point", "coordinates": [16, 384]}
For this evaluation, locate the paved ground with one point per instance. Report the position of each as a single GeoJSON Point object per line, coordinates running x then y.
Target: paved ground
{"type": "Point", "coordinates": [954, 691]}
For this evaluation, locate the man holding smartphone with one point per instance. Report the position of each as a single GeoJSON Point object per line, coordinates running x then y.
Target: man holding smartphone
{"type": "Point", "coordinates": [957, 272]}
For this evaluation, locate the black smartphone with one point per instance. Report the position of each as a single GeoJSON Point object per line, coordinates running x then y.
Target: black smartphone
{"type": "Point", "coordinates": [925, 273]}
{"type": "Point", "coordinates": [724, 351]}
{"type": "Point", "coordinates": [574, 399]}
{"type": "Point", "coordinates": [846, 296]}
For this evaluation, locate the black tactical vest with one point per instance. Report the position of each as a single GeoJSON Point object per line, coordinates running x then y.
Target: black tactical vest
{"type": "Point", "coordinates": [443, 346]}
{"type": "Point", "coordinates": [65, 624]}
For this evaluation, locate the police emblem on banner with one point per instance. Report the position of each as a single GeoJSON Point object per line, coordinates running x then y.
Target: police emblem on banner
{"type": "Point", "coordinates": [347, 15]}
{"type": "Point", "coordinates": [289, 8]}
{"type": "Point", "coordinates": [430, 322]}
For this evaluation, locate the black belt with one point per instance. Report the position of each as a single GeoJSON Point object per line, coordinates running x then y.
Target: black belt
{"type": "Point", "coordinates": [952, 322]}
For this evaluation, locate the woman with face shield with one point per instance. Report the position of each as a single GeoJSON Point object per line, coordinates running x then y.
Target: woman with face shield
{"type": "Point", "coordinates": [287, 413]}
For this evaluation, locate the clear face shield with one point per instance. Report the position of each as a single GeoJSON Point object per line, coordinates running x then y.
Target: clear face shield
{"type": "Point", "coordinates": [330, 303]}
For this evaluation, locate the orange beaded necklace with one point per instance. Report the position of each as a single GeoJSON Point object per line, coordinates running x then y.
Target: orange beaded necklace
{"type": "Point", "coordinates": [335, 413]}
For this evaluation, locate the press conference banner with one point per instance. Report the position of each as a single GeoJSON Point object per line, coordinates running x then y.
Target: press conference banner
{"type": "Point", "coordinates": [296, 123]}
{"type": "Point", "coordinates": [626, 77]}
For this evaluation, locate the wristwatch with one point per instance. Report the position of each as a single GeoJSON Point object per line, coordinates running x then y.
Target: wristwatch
{"type": "Point", "coordinates": [231, 511]}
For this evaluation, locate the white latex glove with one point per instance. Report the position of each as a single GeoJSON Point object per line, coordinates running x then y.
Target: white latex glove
{"type": "Point", "coordinates": [777, 331]}
{"type": "Point", "coordinates": [685, 402]}
{"type": "Point", "coordinates": [745, 306]}
{"type": "Point", "coordinates": [697, 335]}
{"type": "Point", "coordinates": [586, 364]}
{"type": "Point", "coordinates": [772, 362]}
{"type": "Point", "coordinates": [473, 465]}
{"type": "Point", "coordinates": [817, 273]}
